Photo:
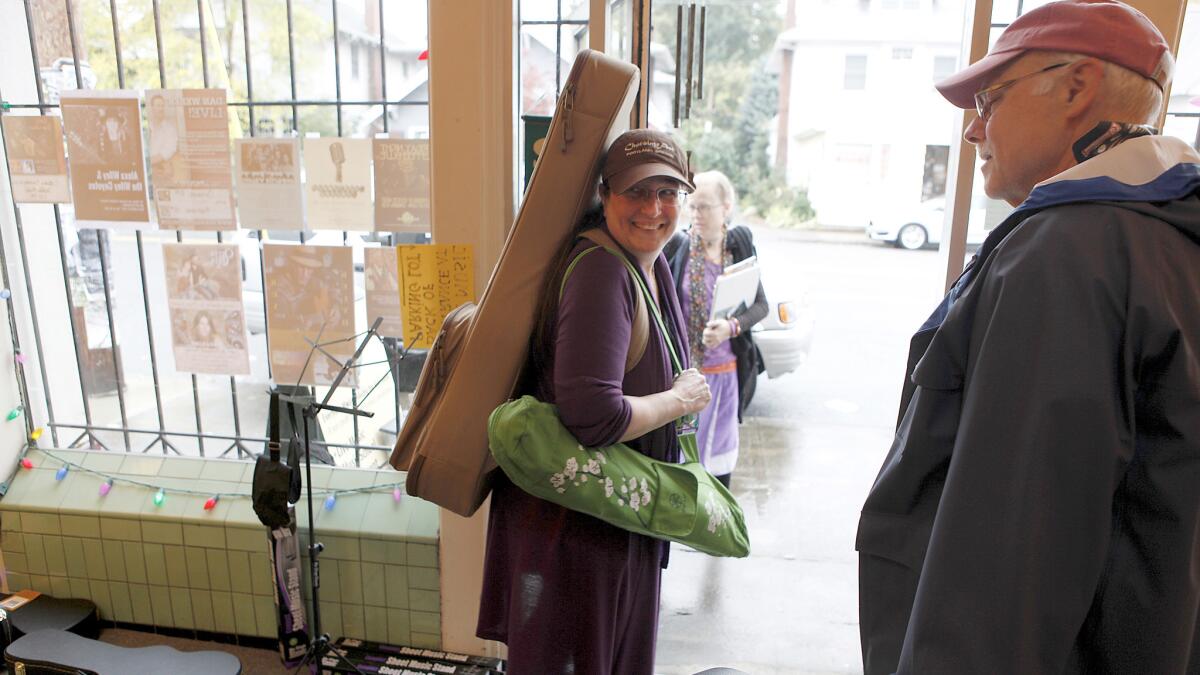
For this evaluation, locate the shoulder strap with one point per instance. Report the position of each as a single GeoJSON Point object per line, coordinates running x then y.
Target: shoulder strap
{"type": "Point", "coordinates": [273, 426]}
{"type": "Point", "coordinates": [639, 334]}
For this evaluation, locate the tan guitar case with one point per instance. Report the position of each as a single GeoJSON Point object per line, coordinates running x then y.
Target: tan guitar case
{"type": "Point", "coordinates": [477, 357]}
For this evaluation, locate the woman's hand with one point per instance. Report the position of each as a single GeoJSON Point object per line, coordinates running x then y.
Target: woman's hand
{"type": "Point", "coordinates": [691, 389]}
{"type": "Point", "coordinates": [716, 332]}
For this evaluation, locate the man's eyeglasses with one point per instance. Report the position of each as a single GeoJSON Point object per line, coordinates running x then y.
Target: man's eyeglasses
{"type": "Point", "coordinates": [665, 196]}
{"type": "Point", "coordinates": [985, 99]}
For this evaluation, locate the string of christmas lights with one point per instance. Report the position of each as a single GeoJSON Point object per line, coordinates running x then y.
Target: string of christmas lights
{"type": "Point", "coordinates": [160, 492]}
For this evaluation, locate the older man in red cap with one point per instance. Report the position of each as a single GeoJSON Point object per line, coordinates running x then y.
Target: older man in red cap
{"type": "Point", "coordinates": [1039, 510]}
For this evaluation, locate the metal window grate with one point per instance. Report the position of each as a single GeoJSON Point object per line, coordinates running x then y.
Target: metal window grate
{"type": "Point", "coordinates": [97, 430]}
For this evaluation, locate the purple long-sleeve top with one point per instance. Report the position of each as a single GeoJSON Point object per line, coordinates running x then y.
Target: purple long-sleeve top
{"type": "Point", "coordinates": [589, 383]}
{"type": "Point", "coordinates": [567, 556]}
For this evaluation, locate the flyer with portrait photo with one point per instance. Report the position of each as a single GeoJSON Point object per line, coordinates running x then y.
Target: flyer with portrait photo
{"type": "Point", "coordinates": [401, 185]}
{"type": "Point", "coordinates": [37, 163]}
{"type": "Point", "coordinates": [189, 158]}
{"type": "Point", "coordinates": [383, 290]}
{"type": "Point", "coordinates": [104, 144]}
{"type": "Point", "coordinates": [310, 299]}
{"type": "Point", "coordinates": [204, 299]}
{"type": "Point", "coordinates": [268, 183]}
{"type": "Point", "coordinates": [337, 183]}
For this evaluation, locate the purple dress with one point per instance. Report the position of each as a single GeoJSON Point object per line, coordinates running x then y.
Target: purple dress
{"type": "Point", "coordinates": [717, 424]}
{"type": "Point", "coordinates": [566, 592]}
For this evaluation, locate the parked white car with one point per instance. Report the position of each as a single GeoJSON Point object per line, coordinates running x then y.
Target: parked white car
{"type": "Point", "coordinates": [916, 227]}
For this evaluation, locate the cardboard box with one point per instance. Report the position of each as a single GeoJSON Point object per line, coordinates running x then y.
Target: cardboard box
{"type": "Point", "coordinates": [487, 662]}
{"type": "Point", "coordinates": [385, 664]}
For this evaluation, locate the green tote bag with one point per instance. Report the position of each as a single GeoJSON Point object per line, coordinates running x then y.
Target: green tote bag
{"type": "Point", "coordinates": [617, 484]}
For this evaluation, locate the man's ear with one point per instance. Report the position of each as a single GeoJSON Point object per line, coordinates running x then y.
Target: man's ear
{"type": "Point", "coordinates": [1082, 85]}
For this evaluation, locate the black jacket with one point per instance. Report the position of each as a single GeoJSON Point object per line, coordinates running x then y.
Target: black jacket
{"type": "Point", "coordinates": [1039, 509]}
{"type": "Point", "coordinates": [749, 361]}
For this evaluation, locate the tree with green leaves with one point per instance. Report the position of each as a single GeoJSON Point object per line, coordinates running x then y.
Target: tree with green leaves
{"type": "Point", "coordinates": [730, 128]}
{"type": "Point", "coordinates": [182, 67]}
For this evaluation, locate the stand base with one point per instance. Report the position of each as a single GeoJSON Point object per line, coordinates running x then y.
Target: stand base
{"type": "Point", "coordinates": [318, 650]}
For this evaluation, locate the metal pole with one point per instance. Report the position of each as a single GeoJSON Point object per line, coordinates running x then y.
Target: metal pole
{"type": "Point", "coordinates": [103, 250]}
{"type": "Point", "coordinates": [158, 405]}
{"type": "Point", "coordinates": [62, 247]}
{"type": "Point", "coordinates": [12, 322]}
{"type": "Point", "coordinates": [383, 69]}
{"type": "Point", "coordinates": [700, 61]}
{"type": "Point", "coordinates": [558, 51]}
{"type": "Point", "coordinates": [203, 43]}
{"type": "Point", "coordinates": [337, 69]}
{"type": "Point", "coordinates": [292, 76]}
{"type": "Point", "coordinates": [33, 315]}
{"type": "Point", "coordinates": [678, 61]}
{"type": "Point", "coordinates": [249, 77]}
{"type": "Point", "coordinates": [691, 38]}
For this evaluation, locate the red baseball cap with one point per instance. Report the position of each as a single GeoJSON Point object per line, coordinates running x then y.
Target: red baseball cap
{"type": "Point", "coordinates": [1108, 30]}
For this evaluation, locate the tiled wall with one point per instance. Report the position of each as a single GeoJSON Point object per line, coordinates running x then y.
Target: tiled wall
{"type": "Point", "coordinates": [177, 565]}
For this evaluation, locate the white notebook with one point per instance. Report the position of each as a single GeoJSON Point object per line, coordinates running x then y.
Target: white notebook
{"type": "Point", "coordinates": [736, 287]}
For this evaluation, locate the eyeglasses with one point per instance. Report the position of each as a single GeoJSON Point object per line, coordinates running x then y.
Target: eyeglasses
{"type": "Point", "coordinates": [665, 196]}
{"type": "Point", "coordinates": [985, 99]}
{"type": "Point", "coordinates": [702, 206]}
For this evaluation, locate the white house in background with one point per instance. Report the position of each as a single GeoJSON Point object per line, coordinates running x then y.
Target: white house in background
{"type": "Point", "coordinates": [865, 127]}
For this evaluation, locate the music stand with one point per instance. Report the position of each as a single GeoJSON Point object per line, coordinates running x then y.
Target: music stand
{"type": "Point", "coordinates": [319, 643]}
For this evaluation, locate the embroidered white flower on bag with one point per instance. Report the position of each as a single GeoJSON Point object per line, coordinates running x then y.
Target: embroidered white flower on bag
{"type": "Point", "coordinates": [592, 467]}
{"type": "Point", "coordinates": [557, 480]}
{"type": "Point", "coordinates": [717, 514]}
{"type": "Point", "coordinates": [571, 468]}
{"type": "Point", "coordinates": [608, 487]}
{"type": "Point", "coordinates": [635, 501]}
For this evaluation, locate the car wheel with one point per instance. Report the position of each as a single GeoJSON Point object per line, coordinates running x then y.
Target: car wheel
{"type": "Point", "coordinates": [912, 237]}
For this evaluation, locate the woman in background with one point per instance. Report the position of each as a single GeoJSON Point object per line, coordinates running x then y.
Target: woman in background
{"type": "Point", "coordinates": [722, 348]}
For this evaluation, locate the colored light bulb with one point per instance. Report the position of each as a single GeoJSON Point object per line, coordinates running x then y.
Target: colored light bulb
{"type": "Point", "coordinates": [21, 358]}
{"type": "Point", "coordinates": [5, 294]}
{"type": "Point", "coordinates": [397, 495]}
{"type": "Point", "coordinates": [37, 433]}
{"type": "Point", "coordinates": [212, 502]}
{"type": "Point", "coordinates": [106, 488]}
{"type": "Point", "coordinates": [330, 502]}
{"type": "Point", "coordinates": [61, 473]}
{"type": "Point", "coordinates": [13, 414]}
{"type": "Point", "coordinates": [26, 463]}
{"type": "Point", "coordinates": [159, 497]}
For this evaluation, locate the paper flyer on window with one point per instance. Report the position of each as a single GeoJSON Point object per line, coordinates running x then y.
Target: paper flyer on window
{"type": "Point", "coordinates": [189, 158]}
{"type": "Point", "coordinates": [268, 179]}
{"type": "Point", "coordinates": [383, 290]}
{"type": "Point", "coordinates": [104, 144]}
{"type": "Point", "coordinates": [434, 279]}
{"type": "Point", "coordinates": [204, 299]}
{"type": "Point", "coordinates": [401, 185]}
{"type": "Point", "coordinates": [310, 296]}
{"type": "Point", "coordinates": [37, 163]}
{"type": "Point", "coordinates": [337, 183]}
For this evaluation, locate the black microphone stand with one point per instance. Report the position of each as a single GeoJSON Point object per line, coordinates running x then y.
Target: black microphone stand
{"type": "Point", "coordinates": [320, 644]}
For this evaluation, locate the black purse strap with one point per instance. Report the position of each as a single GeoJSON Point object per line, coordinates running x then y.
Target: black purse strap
{"type": "Point", "coordinates": [273, 426]}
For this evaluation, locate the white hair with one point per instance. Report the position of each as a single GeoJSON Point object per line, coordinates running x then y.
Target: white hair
{"type": "Point", "coordinates": [721, 182]}
{"type": "Point", "coordinates": [1125, 96]}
